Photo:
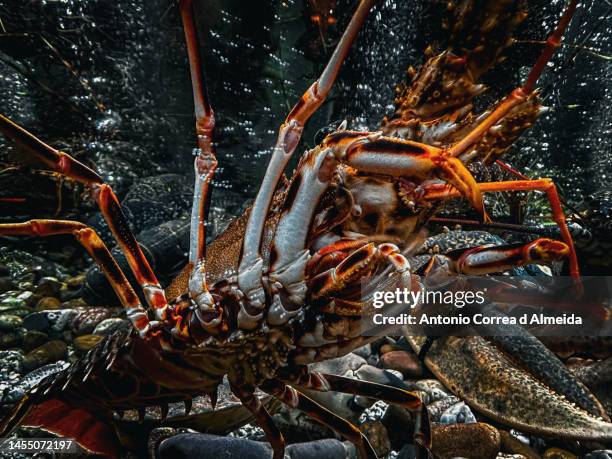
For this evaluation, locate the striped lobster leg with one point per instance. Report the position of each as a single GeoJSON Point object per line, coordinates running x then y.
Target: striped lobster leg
{"type": "Point", "coordinates": [90, 240]}
{"type": "Point", "coordinates": [295, 399]}
{"type": "Point", "coordinates": [251, 263]}
{"type": "Point", "coordinates": [323, 382]}
{"type": "Point", "coordinates": [437, 192]}
{"type": "Point", "coordinates": [208, 314]}
{"type": "Point", "coordinates": [253, 404]}
{"type": "Point", "coordinates": [107, 201]}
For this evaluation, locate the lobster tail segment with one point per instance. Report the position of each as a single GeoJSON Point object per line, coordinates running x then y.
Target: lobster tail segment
{"type": "Point", "coordinates": [58, 417]}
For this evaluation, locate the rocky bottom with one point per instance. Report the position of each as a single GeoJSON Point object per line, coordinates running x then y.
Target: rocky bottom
{"type": "Point", "coordinates": [45, 324]}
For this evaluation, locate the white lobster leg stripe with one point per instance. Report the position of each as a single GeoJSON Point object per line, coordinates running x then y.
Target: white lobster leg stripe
{"type": "Point", "coordinates": [382, 162]}
{"type": "Point", "coordinates": [289, 244]}
{"type": "Point", "coordinates": [251, 264]}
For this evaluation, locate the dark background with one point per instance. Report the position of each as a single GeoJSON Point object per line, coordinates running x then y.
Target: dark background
{"type": "Point", "coordinates": [108, 82]}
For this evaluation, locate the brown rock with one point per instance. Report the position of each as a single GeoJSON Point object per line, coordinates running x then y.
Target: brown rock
{"type": "Point", "coordinates": [76, 282]}
{"type": "Point", "coordinates": [33, 339]}
{"type": "Point", "coordinates": [405, 362]}
{"type": "Point", "coordinates": [48, 303]}
{"type": "Point", "coordinates": [49, 352]}
{"type": "Point", "coordinates": [558, 453]}
{"type": "Point", "coordinates": [387, 348]}
{"type": "Point", "coordinates": [48, 286]}
{"type": "Point", "coordinates": [476, 441]}
{"type": "Point", "coordinates": [75, 304]}
{"type": "Point", "coordinates": [84, 343]}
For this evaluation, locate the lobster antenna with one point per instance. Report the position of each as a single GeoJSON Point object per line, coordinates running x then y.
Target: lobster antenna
{"type": "Point", "coordinates": [545, 92]}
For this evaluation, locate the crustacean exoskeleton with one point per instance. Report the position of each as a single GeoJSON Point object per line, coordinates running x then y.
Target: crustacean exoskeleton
{"type": "Point", "coordinates": [287, 283]}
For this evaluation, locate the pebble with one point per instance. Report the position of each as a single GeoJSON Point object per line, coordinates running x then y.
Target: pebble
{"type": "Point", "coordinates": [459, 413]}
{"type": "Point", "coordinates": [558, 453]}
{"type": "Point", "coordinates": [36, 321]}
{"type": "Point", "coordinates": [61, 319]}
{"type": "Point", "coordinates": [75, 303]}
{"type": "Point", "coordinates": [406, 363]}
{"type": "Point", "coordinates": [11, 361]}
{"type": "Point", "coordinates": [48, 286]}
{"type": "Point", "coordinates": [9, 303]}
{"type": "Point", "coordinates": [6, 284]}
{"type": "Point", "coordinates": [76, 282]}
{"type": "Point", "coordinates": [328, 448]}
{"type": "Point", "coordinates": [49, 352]}
{"type": "Point", "coordinates": [109, 326]}
{"type": "Point", "coordinates": [18, 390]}
{"type": "Point", "coordinates": [439, 407]}
{"type": "Point", "coordinates": [19, 312]}
{"type": "Point", "coordinates": [84, 343]}
{"type": "Point", "coordinates": [32, 339]}
{"type": "Point", "coordinates": [30, 298]}
{"type": "Point", "coordinates": [599, 454]}
{"type": "Point", "coordinates": [476, 441]}
{"type": "Point", "coordinates": [48, 303]}
{"type": "Point", "coordinates": [85, 322]}
{"type": "Point", "coordinates": [12, 339]}
{"type": "Point", "coordinates": [10, 369]}
{"type": "Point", "coordinates": [204, 446]}
{"type": "Point", "coordinates": [364, 351]}
{"type": "Point", "coordinates": [511, 444]}
{"type": "Point", "coordinates": [55, 320]}
{"type": "Point", "coordinates": [432, 389]}
{"type": "Point", "coordinates": [10, 322]}
{"type": "Point", "coordinates": [25, 285]}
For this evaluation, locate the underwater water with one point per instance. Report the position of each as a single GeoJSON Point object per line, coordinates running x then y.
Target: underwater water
{"type": "Point", "coordinates": [108, 82]}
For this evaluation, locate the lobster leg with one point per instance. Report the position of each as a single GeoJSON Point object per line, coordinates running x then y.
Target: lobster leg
{"type": "Point", "coordinates": [90, 240]}
{"type": "Point", "coordinates": [251, 263]}
{"type": "Point", "coordinates": [435, 192]}
{"type": "Point", "coordinates": [367, 152]}
{"type": "Point", "coordinates": [520, 94]}
{"type": "Point", "coordinates": [486, 260]}
{"type": "Point", "coordinates": [107, 201]}
{"type": "Point", "coordinates": [254, 405]}
{"type": "Point", "coordinates": [295, 399]}
{"type": "Point", "coordinates": [205, 165]}
{"type": "Point", "coordinates": [324, 382]}
{"type": "Point", "coordinates": [351, 268]}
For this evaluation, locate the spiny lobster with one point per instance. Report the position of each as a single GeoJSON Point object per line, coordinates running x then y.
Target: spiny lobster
{"type": "Point", "coordinates": [287, 283]}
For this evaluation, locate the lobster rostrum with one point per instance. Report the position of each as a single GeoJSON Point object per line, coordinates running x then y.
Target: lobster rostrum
{"type": "Point", "coordinates": [288, 282]}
